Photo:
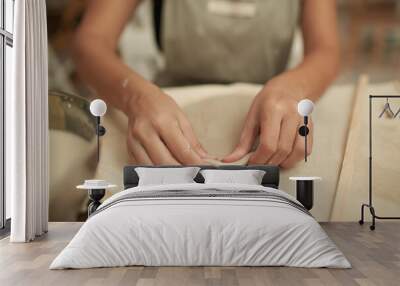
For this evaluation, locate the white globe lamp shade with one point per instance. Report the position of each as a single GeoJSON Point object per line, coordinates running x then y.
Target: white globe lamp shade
{"type": "Point", "coordinates": [305, 107]}
{"type": "Point", "coordinates": [98, 107]}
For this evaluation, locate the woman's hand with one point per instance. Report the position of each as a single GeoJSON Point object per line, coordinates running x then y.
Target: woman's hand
{"type": "Point", "coordinates": [273, 117]}
{"type": "Point", "coordinates": [273, 114]}
{"type": "Point", "coordinates": [159, 132]}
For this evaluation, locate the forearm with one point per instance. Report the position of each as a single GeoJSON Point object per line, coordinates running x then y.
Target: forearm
{"type": "Point", "coordinates": [103, 71]}
{"type": "Point", "coordinates": [309, 80]}
{"type": "Point", "coordinates": [321, 48]}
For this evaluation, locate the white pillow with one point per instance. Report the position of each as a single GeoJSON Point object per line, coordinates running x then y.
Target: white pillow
{"type": "Point", "coordinates": [248, 177]}
{"type": "Point", "coordinates": [162, 176]}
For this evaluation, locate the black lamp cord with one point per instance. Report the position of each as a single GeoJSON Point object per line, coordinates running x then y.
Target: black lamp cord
{"type": "Point", "coordinates": [98, 138]}
{"type": "Point", "coordinates": [305, 137]}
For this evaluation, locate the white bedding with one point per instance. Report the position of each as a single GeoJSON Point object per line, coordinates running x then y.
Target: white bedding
{"type": "Point", "coordinates": [182, 230]}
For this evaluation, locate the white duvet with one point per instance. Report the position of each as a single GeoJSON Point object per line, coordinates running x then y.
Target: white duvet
{"type": "Point", "coordinates": [206, 230]}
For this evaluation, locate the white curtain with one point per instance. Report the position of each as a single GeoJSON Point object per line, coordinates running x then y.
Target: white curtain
{"type": "Point", "coordinates": [27, 124]}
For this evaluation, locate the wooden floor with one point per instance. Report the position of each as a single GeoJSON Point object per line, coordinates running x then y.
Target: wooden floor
{"type": "Point", "coordinates": [375, 257]}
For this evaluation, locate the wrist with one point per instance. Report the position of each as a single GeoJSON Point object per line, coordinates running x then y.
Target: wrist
{"type": "Point", "coordinates": [133, 88]}
{"type": "Point", "coordinates": [284, 85]}
{"type": "Point", "coordinates": [142, 94]}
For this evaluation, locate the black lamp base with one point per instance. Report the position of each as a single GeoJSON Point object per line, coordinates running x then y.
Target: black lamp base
{"type": "Point", "coordinates": [305, 193]}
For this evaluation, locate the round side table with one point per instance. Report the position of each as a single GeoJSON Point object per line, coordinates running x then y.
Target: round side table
{"type": "Point", "coordinates": [96, 190]}
{"type": "Point", "coordinates": [305, 190]}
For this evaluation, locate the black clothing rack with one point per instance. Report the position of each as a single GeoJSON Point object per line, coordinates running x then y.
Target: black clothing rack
{"type": "Point", "coordinates": [370, 202]}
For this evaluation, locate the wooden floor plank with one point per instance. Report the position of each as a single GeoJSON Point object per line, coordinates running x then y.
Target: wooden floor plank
{"type": "Point", "coordinates": [375, 257]}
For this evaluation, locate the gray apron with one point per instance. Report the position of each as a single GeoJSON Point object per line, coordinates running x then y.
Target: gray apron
{"type": "Point", "coordinates": [223, 41]}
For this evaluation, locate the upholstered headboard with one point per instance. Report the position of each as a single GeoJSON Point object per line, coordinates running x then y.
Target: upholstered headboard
{"type": "Point", "coordinates": [270, 179]}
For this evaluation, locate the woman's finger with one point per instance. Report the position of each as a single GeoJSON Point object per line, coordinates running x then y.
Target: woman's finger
{"type": "Point", "coordinates": [137, 151]}
{"type": "Point", "coordinates": [178, 145]}
{"type": "Point", "coordinates": [188, 132]}
{"type": "Point", "coordinates": [287, 138]}
{"type": "Point", "coordinates": [269, 137]}
{"type": "Point", "coordinates": [132, 160]}
{"type": "Point", "coordinates": [153, 145]}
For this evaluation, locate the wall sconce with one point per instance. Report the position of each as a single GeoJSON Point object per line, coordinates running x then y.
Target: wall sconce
{"type": "Point", "coordinates": [305, 107]}
{"type": "Point", "coordinates": [98, 108]}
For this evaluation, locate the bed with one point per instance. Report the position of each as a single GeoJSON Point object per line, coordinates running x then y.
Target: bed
{"type": "Point", "coordinates": [201, 224]}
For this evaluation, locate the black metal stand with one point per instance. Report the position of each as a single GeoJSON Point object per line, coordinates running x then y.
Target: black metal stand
{"type": "Point", "coordinates": [95, 195]}
{"type": "Point", "coordinates": [370, 205]}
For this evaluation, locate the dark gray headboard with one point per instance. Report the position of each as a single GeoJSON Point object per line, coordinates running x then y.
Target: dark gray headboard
{"type": "Point", "coordinates": [271, 177]}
